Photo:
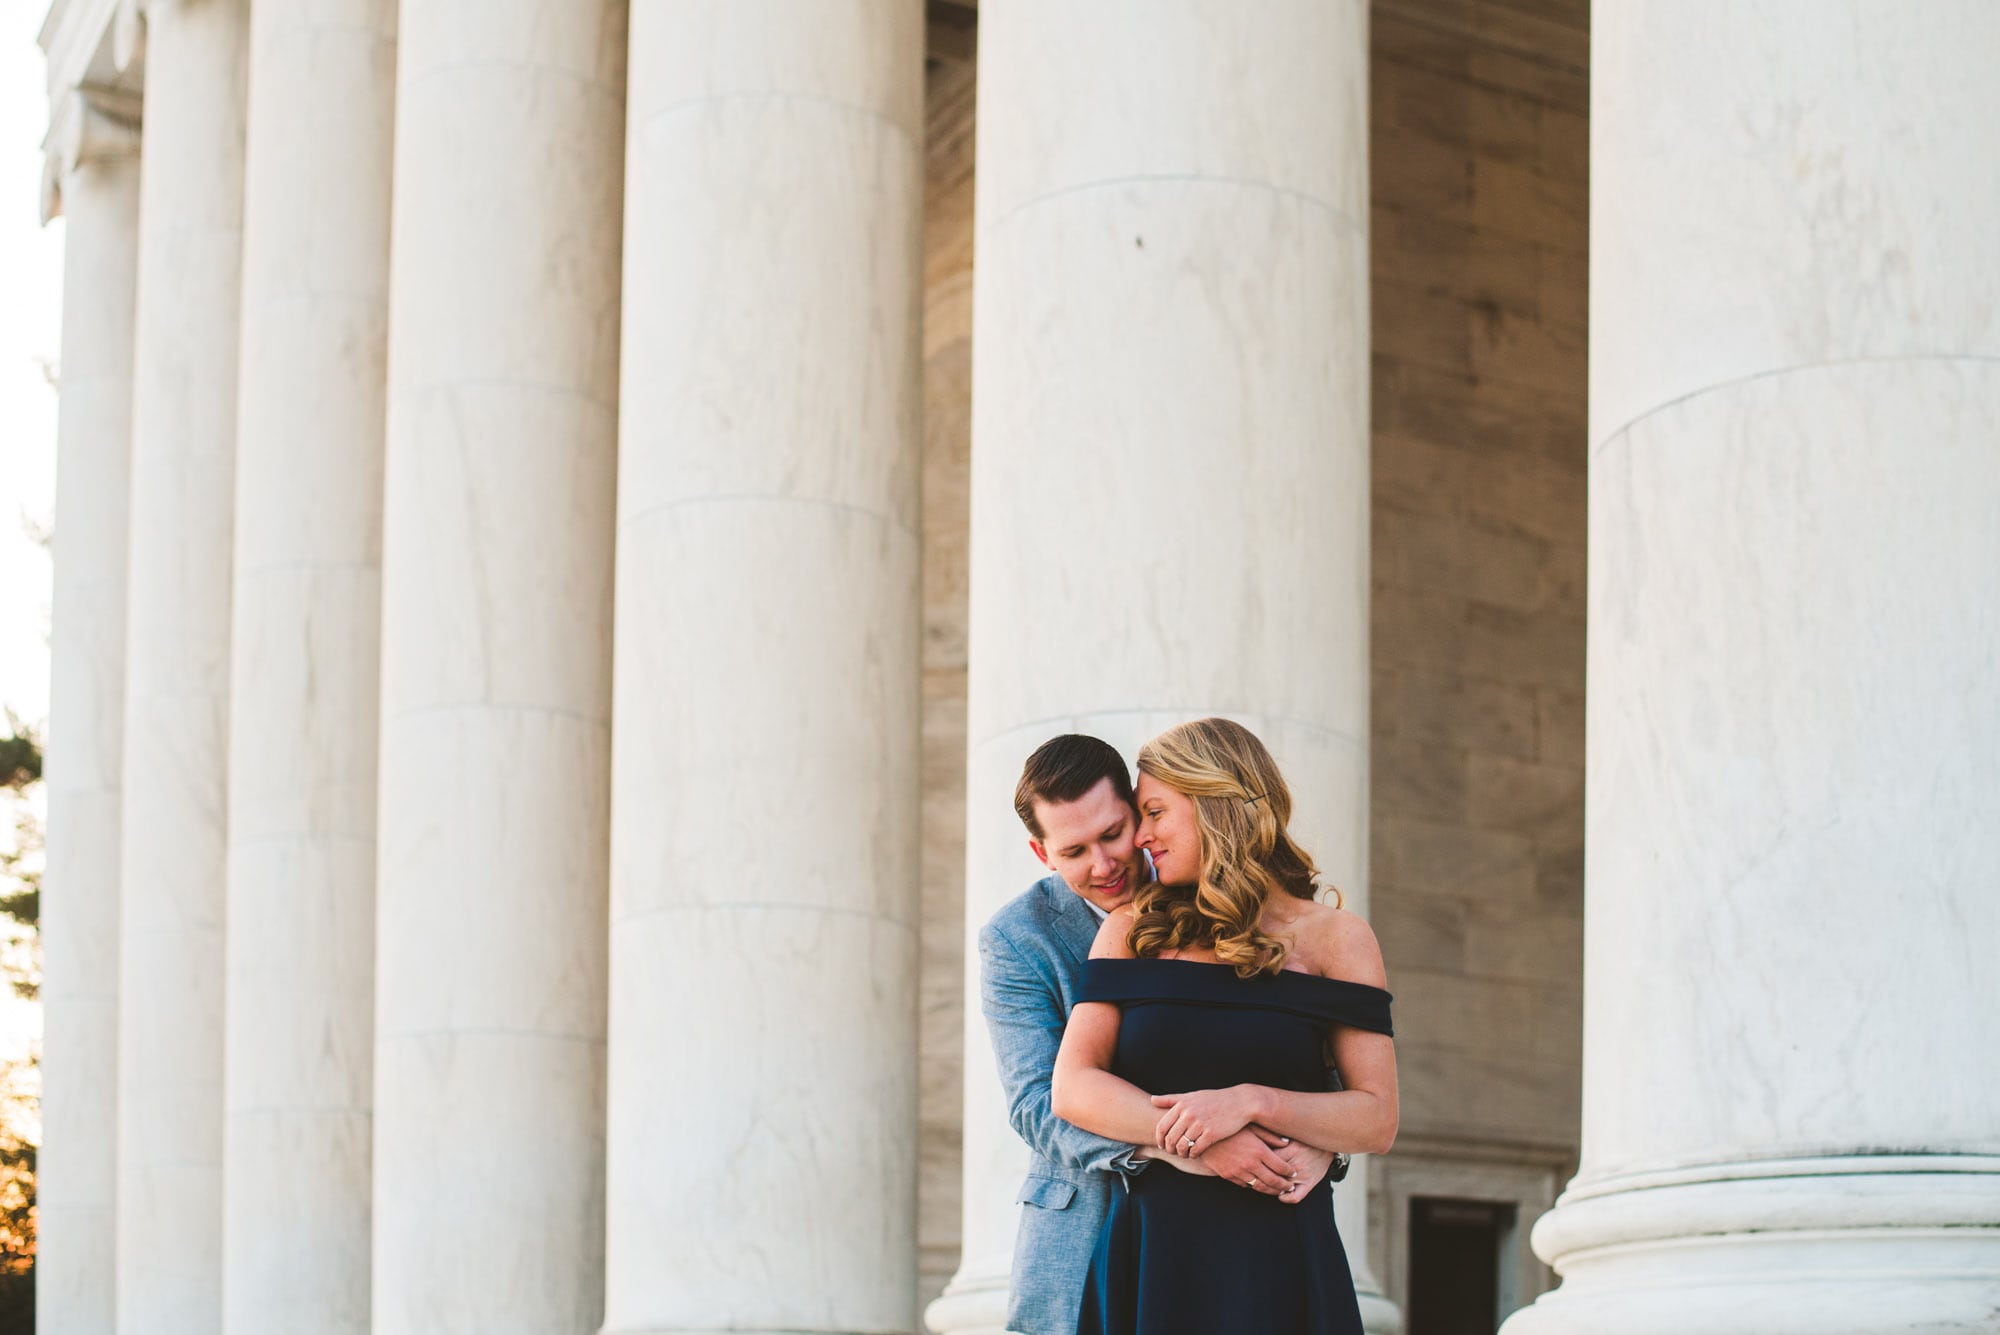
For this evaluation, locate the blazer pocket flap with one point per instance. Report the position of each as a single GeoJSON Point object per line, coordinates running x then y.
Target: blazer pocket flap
{"type": "Point", "coordinates": [1048, 1192]}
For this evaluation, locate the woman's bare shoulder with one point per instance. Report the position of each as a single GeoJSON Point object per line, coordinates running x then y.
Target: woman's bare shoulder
{"type": "Point", "coordinates": [1338, 943]}
{"type": "Point", "coordinates": [1114, 936]}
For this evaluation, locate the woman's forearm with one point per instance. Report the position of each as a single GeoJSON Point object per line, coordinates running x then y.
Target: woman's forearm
{"type": "Point", "coordinates": [1346, 1121]}
{"type": "Point", "coordinates": [1104, 1104]}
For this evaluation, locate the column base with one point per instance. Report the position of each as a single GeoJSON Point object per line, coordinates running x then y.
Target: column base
{"type": "Point", "coordinates": [972, 1304]}
{"type": "Point", "coordinates": [1839, 1246]}
{"type": "Point", "coordinates": [1379, 1316]}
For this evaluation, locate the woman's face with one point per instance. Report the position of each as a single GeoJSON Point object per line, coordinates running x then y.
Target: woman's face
{"type": "Point", "coordinates": [1168, 831]}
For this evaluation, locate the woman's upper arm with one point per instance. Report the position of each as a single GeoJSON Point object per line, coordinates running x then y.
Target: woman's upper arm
{"type": "Point", "coordinates": [1090, 1036]}
{"type": "Point", "coordinates": [1366, 1060]}
{"type": "Point", "coordinates": [1090, 1039]}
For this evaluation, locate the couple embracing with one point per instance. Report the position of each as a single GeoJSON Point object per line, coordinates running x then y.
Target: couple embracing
{"type": "Point", "coordinates": [1186, 1051]}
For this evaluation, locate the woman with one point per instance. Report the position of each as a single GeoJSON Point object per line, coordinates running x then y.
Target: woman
{"type": "Point", "coordinates": [1207, 1007]}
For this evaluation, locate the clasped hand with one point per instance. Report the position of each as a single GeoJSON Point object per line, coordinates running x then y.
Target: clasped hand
{"type": "Point", "coordinates": [1194, 1122]}
{"type": "Point", "coordinates": [1214, 1128]}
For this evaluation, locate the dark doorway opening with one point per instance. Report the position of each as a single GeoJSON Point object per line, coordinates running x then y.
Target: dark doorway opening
{"type": "Point", "coordinates": [1455, 1250]}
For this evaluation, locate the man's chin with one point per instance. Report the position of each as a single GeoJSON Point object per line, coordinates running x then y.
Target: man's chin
{"type": "Point", "coordinates": [1112, 897]}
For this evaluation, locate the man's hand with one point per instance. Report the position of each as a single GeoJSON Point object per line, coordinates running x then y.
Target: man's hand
{"type": "Point", "coordinates": [1196, 1122]}
{"type": "Point", "coordinates": [1253, 1158]}
{"type": "Point", "coordinates": [1192, 1167]}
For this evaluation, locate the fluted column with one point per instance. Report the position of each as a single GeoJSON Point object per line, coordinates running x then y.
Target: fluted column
{"type": "Point", "coordinates": [763, 999]}
{"type": "Point", "coordinates": [1791, 1119]}
{"type": "Point", "coordinates": [496, 667]}
{"type": "Point", "coordinates": [94, 175]}
{"type": "Point", "coordinates": [1170, 446]}
{"type": "Point", "coordinates": [169, 1273]}
{"type": "Point", "coordinates": [301, 967]}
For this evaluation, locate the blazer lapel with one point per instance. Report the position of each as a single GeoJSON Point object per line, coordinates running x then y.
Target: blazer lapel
{"type": "Point", "coordinates": [1075, 924]}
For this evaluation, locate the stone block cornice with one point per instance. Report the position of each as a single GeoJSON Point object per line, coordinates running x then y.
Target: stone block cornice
{"type": "Point", "coordinates": [128, 33]}
{"type": "Point", "coordinates": [72, 37]}
{"type": "Point", "coordinates": [89, 124]}
{"type": "Point", "coordinates": [94, 88]}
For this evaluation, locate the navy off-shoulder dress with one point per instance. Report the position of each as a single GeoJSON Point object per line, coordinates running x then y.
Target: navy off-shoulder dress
{"type": "Point", "coordinates": [1187, 1255]}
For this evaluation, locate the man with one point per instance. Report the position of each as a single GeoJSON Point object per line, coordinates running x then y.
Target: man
{"type": "Point", "coordinates": [1075, 797]}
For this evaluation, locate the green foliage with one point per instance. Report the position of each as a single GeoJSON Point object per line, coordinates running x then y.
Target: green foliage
{"type": "Point", "coordinates": [21, 864]}
{"type": "Point", "coordinates": [20, 1081]}
{"type": "Point", "coordinates": [20, 755]}
{"type": "Point", "coordinates": [24, 906]}
{"type": "Point", "coordinates": [21, 904]}
{"type": "Point", "coordinates": [20, 1086]}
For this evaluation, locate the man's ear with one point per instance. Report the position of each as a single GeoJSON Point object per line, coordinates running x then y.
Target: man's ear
{"type": "Point", "coordinates": [1035, 847]}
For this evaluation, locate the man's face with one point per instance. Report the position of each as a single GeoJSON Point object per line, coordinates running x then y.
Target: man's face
{"type": "Point", "coordinates": [1089, 843]}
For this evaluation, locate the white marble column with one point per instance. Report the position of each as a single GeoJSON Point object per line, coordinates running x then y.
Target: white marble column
{"type": "Point", "coordinates": [1169, 449]}
{"type": "Point", "coordinates": [1791, 1112]}
{"type": "Point", "coordinates": [762, 1153]}
{"type": "Point", "coordinates": [94, 174]}
{"type": "Point", "coordinates": [300, 978]}
{"type": "Point", "coordinates": [496, 667]}
{"type": "Point", "coordinates": [169, 1273]}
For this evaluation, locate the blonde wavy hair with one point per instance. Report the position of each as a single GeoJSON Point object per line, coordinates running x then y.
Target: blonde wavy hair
{"type": "Point", "coordinates": [1241, 806]}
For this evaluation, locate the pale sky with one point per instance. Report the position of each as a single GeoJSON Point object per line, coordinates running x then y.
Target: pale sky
{"type": "Point", "coordinates": [30, 337]}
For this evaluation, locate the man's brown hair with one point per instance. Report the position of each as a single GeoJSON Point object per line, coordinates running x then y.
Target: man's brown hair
{"type": "Point", "coordinates": [1063, 769]}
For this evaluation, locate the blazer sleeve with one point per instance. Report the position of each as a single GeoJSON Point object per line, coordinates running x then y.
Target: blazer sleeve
{"type": "Point", "coordinates": [1025, 1018]}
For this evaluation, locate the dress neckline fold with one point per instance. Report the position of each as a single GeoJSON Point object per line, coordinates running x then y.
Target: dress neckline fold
{"type": "Point", "coordinates": [1137, 982]}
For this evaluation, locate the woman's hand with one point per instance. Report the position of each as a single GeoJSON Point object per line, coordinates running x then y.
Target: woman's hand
{"type": "Point", "coordinates": [1308, 1166]}
{"type": "Point", "coordinates": [1254, 1158]}
{"type": "Point", "coordinates": [1194, 1122]}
